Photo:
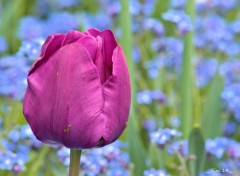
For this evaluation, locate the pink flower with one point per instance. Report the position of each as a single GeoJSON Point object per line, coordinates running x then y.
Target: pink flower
{"type": "Point", "coordinates": [78, 90]}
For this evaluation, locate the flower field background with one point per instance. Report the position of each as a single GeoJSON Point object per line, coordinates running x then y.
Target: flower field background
{"type": "Point", "coordinates": [184, 62]}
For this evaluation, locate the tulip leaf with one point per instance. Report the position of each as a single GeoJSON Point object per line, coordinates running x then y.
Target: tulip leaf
{"type": "Point", "coordinates": [211, 120]}
{"type": "Point", "coordinates": [39, 161]}
{"type": "Point", "coordinates": [187, 74]}
{"type": "Point", "coordinates": [196, 149]}
{"type": "Point", "coordinates": [156, 156]}
{"type": "Point", "coordinates": [136, 150]}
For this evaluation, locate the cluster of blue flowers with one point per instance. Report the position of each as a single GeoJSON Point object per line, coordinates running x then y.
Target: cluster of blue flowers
{"type": "Point", "coordinates": [161, 137]}
{"type": "Point", "coordinates": [14, 69]}
{"type": "Point", "coordinates": [148, 96]}
{"type": "Point", "coordinates": [231, 96]}
{"type": "Point", "coordinates": [180, 18]}
{"type": "Point", "coordinates": [180, 147]}
{"type": "Point", "coordinates": [151, 125]}
{"type": "Point", "coordinates": [109, 160]}
{"type": "Point", "coordinates": [154, 172]}
{"type": "Point", "coordinates": [33, 28]}
{"type": "Point", "coordinates": [205, 70]}
{"type": "Point", "coordinates": [15, 148]}
{"type": "Point", "coordinates": [221, 145]}
{"type": "Point", "coordinates": [223, 149]}
{"type": "Point", "coordinates": [3, 44]}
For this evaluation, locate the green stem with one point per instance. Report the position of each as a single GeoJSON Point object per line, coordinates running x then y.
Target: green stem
{"type": "Point", "coordinates": [136, 149]}
{"type": "Point", "coordinates": [183, 164]}
{"type": "Point", "coordinates": [187, 79]}
{"type": "Point", "coordinates": [127, 43]}
{"type": "Point", "coordinates": [74, 162]}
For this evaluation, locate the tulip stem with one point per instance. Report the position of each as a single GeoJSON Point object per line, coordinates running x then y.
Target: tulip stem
{"type": "Point", "coordinates": [74, 167]}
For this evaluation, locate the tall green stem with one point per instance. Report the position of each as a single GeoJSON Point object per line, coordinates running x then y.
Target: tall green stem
{"type": "Point", "coordinates": [74, 167]}
{"type": "Point", "coordinates": [136, 149]}
{"type": "Point", "coordinates": [187, 77]}
{"type": "Point", "coordinates": [127, 43]}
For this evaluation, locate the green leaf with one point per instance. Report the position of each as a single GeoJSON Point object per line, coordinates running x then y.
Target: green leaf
{"type": "Point", "coordinates": [11, 112]}
{"type": "Point", "coordinates": [187, 74]}
{"type": "Point", "coordinates": [37, 162]}
{"type": "Point", "coordinates": [197, 150]}
{"type": "Point", "coordinates": [135, 145]}
{"type": "Point", "coordinates": [12, 12]}
{"type": "Point", "coordinates": [156, 157]}
{"type": "Point", "coordinates": [211, 120]}
{"type": "Point", "coordinates": [135, 148]}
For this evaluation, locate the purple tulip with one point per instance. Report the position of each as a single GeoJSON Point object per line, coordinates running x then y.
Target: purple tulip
{"type": "Point", "coordinates": [78, 90]}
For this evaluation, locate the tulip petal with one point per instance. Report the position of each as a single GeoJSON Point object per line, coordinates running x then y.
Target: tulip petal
{"type": "Point", "coordinates": [100, 62]}
{"type": "Point", "coordinates": [93, 32]}
{"type": "Point", "coordinates": [51, 45]}
{"type": "Point", "coordinates": [90, 43]}
{"type": "Point", "coordinates": [65, 106]}
{"type": "Point", "coordinates": [117, 96]}
{"type": "Point", "coordinates": [72, 36]}
{"type": "Point", "coordinates": [109, 44]}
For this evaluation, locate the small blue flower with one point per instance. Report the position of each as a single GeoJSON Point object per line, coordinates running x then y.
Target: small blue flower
{"type": "Point", "coordinates": [3, 44]}
{"type": "Point", "coordinates": [154, 25]}
{"type": "Point", "coordinates": [136, 55]}
{"type": "Point", "coordinates": [30, 49]}
{"type": "Point", "coordinates": [114, 8]}
{"type": "Point", "coordinates": [214, 34]}
{"type": "Point", "coordinates": [231, 98]}
{"type": "Point", "coordinates": [148, 7]}
{"type": "Point", "coordinates": [205, 71]}
{"type": "Point", "coordinates": [174, 51]}
{"type": "Point", "coordinates": [217, 147]}
{"type": "Point", "coordinates": [158, 44]}
{"type": "Point", "coordinates": [235, 26]}
{"type": "Point", "coordinates": [14, 135]}
{"type": "Point", "coordinates": [1, 124]}
{"type": "Point", "coordinates": [135, 7]}
{"type": "Point", "coordinates": [159, 96]}
{"type": "Point", "coordinates": [148, 96]}
{"type": "Point", "coordinates": [149, 125]}
{"type": "Point", "coordinates": [68, 3]}
{"type": "Point", "coordinates": [144, 97]}
{"type": "Point", "coordinates": [175, 122]}
{"type": "Point", "coordinates": [230, 128]}
{"type": "Point", "coordinates": [61, 22]}
{"type": "Point", "coordinates": [92, 20]}
{"type": "Point", "coordinates": [223, 5]}
{"type": "Point", "coordinates": [117, 171]}
{"type": "Point", "coordinates": [31, 28]}
{"type": "Point", "coordinates": [230, 70]}
{"type": "Point", "coordinates": [180, 147]}
{"type": "Point", "coordinates": [12, 161]}
{"type": "Point", "coordinates": [178, 4]}
{"type": "Point", "coordinates": [180, 18]}
{"type": "Point", "coordinates": [162, 136]}
{"type": "Point", "coordinates": [153, 67]}
{"type": "Point", "coordinates": [154, 172]}
{"type": "Point", "coordinates": [13, 71]}
{"type": "Point", "coordinates": [233, 150]}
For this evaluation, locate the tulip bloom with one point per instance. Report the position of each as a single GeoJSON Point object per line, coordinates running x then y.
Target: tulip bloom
{"type": "Point", "coordinates": [78, 90]}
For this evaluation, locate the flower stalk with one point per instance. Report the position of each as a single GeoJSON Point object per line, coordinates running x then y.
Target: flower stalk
{"type": "Point", "coordinates": [74, 168]}
{"type": "Point", "coordinates": [187, 75]}
{"type": "Point", "coordinates": [136, 149]}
